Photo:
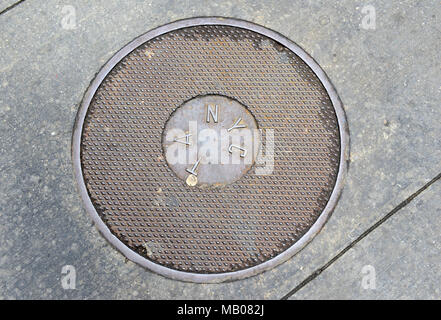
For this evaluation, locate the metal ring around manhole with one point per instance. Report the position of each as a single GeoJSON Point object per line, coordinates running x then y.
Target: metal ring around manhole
{"type": "Point", "coordinates": [195, 220]}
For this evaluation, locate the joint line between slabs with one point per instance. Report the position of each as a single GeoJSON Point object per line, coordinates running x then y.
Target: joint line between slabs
{"type": "Point", "coordinates": [317, 272]}
{"type": "Point", "coordinates": [12, 6]}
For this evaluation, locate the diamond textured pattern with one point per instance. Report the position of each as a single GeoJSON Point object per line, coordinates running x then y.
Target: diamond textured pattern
{"type": "Point", "coordinates": [212, 230]}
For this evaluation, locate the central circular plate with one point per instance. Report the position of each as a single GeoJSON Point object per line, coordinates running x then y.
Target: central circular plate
{"type": "Point", "coordinates": [210, 221]}
{"type": "Point", "coordinates": [211, 141]}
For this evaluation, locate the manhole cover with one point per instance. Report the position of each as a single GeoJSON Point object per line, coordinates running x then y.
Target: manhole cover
{"type": "Point", "coordinates": [210, 149]}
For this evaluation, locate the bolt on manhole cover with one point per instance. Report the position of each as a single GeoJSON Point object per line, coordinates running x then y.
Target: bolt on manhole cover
{"type": "Point", "coordinates": [210, 149]}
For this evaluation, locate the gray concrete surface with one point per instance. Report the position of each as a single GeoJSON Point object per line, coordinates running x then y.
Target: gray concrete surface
{"type": "Point", "coordinates": [411, 271]}
{"type": "Point", "coordinates": [6, 5]}
{"type": "Point", "coordinates": [387, 78]}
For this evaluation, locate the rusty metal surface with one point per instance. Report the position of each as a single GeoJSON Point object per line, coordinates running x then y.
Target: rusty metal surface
{"type": "Point", "coordinates": [209, 141]}
{"type": "Point", "coordinates": [206, 235]}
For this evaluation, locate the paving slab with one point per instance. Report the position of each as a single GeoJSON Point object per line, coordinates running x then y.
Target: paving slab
{"type": "Point", "coordinates": [398, 260]}
{"type": "Point", "coordinates": [7, 4]}
{"type": "Point", "coordinates": [387, 78]}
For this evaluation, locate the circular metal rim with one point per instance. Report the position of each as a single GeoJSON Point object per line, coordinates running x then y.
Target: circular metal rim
{"type": "Point", "coordinates": [227, 276]}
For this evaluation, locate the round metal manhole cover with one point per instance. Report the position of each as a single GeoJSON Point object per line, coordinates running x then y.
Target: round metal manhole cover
{"type": "Point", "coordinates": [210, 149]}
